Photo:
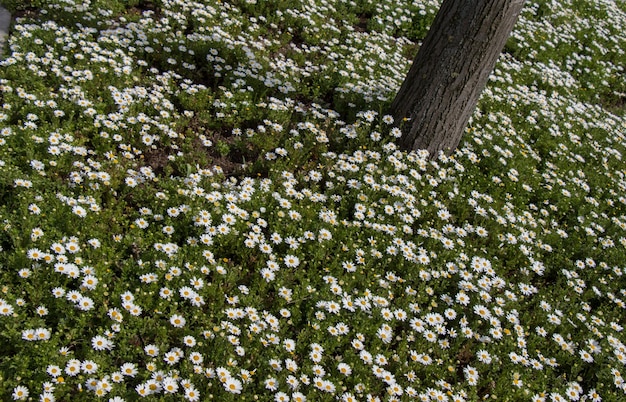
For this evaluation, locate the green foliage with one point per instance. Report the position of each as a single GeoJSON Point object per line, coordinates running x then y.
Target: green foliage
{"type": "Point", "coordinates": [14, 6]}
{"type": "Point", "coordinates": [204, 200]}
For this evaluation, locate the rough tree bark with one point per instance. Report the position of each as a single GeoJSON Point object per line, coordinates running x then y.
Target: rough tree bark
{"type": "Point", "coordinates": [450, 71]}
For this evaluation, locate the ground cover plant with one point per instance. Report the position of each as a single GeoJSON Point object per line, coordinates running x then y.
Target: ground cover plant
{"type": "Point", "coordinates": [203, 201]}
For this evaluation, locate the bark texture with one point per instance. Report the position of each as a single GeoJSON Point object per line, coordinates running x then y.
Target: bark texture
{"type": "Point", "coordinates": [450, 71]}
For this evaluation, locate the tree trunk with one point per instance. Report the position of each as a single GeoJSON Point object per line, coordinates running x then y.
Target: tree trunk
{"type": "Point", "coordinates": [451, 69]}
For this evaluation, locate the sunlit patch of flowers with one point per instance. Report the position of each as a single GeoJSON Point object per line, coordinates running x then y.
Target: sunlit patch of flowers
{"type": "Point", "coordinates": [204, 201]}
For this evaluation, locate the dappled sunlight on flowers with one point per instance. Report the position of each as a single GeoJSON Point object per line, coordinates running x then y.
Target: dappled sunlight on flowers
{"type": "Point", "coordinates": [206, 201]}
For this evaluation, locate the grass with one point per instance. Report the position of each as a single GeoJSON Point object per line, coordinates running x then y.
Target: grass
{"type": "Point", "coordinates": [203, 201]}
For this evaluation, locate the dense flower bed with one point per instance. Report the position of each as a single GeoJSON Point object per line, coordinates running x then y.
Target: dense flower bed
{"type": "Point", "coordinates": [203, 200]}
